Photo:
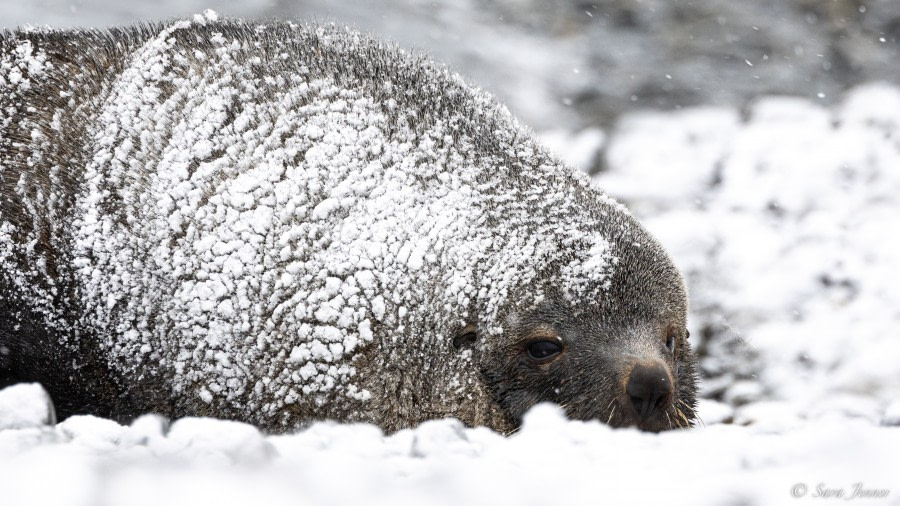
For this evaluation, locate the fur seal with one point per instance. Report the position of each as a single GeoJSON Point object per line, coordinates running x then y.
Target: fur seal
{"type": "Point", "coordinates": [279, 223]}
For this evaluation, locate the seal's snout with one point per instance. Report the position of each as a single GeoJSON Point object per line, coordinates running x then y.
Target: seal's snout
{"type": "Point", "coordinates": [649, 389]}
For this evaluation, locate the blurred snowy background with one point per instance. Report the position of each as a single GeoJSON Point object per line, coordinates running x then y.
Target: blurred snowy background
{"type": "Point", "coordinates": [564, 64]}
{"type": "Point", "coordinates": [759, 140]}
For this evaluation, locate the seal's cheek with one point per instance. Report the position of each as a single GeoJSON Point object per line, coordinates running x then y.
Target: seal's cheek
{"type": "Point", "coordinates": [524, 375]}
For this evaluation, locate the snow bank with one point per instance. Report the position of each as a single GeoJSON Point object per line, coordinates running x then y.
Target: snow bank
{"type": "Point", "coordinates": [203, 461]}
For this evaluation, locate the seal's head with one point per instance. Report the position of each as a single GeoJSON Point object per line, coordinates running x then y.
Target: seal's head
{"type": "Point", "coordinates": [619, 354]}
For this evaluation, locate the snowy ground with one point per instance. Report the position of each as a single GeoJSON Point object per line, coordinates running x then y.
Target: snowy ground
{"type": "Point", "coordinates": [88, 461]}
{"type": "Point", "coordinates": [784, 218]}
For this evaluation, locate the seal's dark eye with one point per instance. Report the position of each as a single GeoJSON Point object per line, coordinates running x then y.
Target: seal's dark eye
{"type": "Point", "coordinates": [670, 343]}
{"type": "Point", "coordinates": [542, 350]}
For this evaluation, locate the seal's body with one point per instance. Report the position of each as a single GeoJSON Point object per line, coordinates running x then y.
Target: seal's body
{"type": "Point", "coordinates": [279, 224]}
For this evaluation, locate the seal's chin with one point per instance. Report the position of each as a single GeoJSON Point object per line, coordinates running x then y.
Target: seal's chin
{"type": "Point", "coordinates": [621, 413]}
{"type": "Point", "coordinates": [652, 426]}
{"type": "Point", "coordinates": [665, 419]}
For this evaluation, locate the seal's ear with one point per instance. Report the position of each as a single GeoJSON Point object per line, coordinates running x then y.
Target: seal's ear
{"type": "Point", "coordinates": [466, 337]}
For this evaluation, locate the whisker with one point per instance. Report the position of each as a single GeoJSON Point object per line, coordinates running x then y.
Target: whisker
{"type": "Point", "coordinates": [683, 417]}
{"type": "Point", "coordinates": [611, 403]}
{"type": "Point", "coordinates": [688, 409]}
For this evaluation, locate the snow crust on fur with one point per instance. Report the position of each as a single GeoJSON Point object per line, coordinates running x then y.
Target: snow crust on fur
{"type": "Point", "coordinates": [250, 217]}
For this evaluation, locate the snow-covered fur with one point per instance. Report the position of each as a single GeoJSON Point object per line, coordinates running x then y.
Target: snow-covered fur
{"type": "Point", "coordinates": [280, 223]}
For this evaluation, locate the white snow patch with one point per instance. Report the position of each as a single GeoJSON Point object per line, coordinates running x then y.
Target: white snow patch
{"type": "Point", "coordinates": [25, 405]}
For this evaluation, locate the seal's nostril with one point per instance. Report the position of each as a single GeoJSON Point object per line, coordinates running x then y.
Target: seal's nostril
{"type": "Point", "coordinates": [648, 389]}
{"type": "Point", "coordinates": [639, 406]}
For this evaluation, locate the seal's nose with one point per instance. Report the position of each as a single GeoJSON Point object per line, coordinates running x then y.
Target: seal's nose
{"type": "Point", "coordinates": [649, 389]}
